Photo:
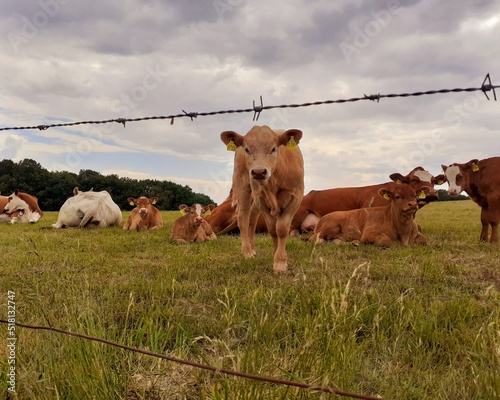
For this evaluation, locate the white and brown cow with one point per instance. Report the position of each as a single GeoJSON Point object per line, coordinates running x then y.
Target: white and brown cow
{"type": "Point", "coordinates": [268, 178]}
{"type": "Point", "coordinates": [89, 209]}
{"type": "Point", "coordinates": [192, 227]}
{"type": "Point", "coordinates": [393, 223]}
{"type": "Point", "coordinates": [144, 216]}
{"type": "Point", "coordinates": [480, 179]}
{"type": "Point", "coordinates": [19, 207]}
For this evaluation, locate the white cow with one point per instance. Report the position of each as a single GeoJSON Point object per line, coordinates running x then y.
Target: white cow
{"type": "Point", "coordinates": [89, 209]}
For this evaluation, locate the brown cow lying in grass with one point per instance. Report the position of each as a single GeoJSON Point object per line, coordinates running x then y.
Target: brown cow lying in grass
{"type": "Point", "coordinates": [144, 216]}
{"type": "Point", "coordinates": [382, 225]}
{"type": "Point", "coordinates": [192, 227]}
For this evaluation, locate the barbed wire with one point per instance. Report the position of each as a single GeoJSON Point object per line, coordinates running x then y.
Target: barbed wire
{"type": "Point", "coordinates": [201, 366]}
{"type": "Point", "coordinates": [486, 86]}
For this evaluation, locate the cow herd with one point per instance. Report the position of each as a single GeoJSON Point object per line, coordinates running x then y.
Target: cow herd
{"type": "Point", "coordinates": [267, 195]}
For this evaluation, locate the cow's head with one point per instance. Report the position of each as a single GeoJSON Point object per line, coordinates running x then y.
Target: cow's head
{"type": "Point", "coordinates": [260, 146]}
{"type": "Point", "coordinates": [195, 213]}
{"type": "Point", "coordinates": [418, 178]}
{"type": "Point", "coordinates": [403, 198]}
{"type": "Point", "coordinates": [15, 203]}
{"type": "Point", "coordinates": [455, 175]}
{"type": "Point", "coordinates": [143, 204]}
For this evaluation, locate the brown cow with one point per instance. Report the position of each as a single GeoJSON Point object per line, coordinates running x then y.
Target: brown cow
{"type": "Point", "coordinates": [20, 207]}
{"type": "Point", "coordinates": [480, 179]}
{"type": "Point", "coordinates": [268, 178]}
{"type": "Point", "coordinates": [322, 202]}
{"type": "Point", "coordinates": [223, 218]}
{"type": "Point", "coordinates": [192, 227]}
{"type": "Point", "coordinates": [381, 225]}
{"type": "Point", "coordinates": [144, 216]}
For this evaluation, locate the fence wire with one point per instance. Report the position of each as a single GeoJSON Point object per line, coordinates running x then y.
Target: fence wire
{"type": "Point", "coordinates": [202, 366]}
{"type": "Point", "coordinates": [486, 86]}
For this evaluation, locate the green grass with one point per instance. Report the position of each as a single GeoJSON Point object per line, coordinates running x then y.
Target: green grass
{"type": "Point", "coordinates": [400, 323]}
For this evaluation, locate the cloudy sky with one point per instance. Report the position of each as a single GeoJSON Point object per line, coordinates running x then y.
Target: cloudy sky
{"type": "Point", "coordinates": [69, 60]}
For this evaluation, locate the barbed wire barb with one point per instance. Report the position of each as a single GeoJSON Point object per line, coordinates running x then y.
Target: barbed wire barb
{"type": "Point", "coordinates": [257, 109]}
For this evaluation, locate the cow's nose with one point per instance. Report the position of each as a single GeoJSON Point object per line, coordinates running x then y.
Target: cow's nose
{"type": "Point", "coordinates": [259, 174]}
{"type": "Point", "coordinates": [452, 192]}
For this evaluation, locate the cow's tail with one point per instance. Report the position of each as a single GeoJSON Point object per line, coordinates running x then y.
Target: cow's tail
{"type": "Point", "coordinates": [230, 227]}
{"type": "Point", "coordinates": [86, 219]}
{"type": "Point", "coordinates": [90, 214]}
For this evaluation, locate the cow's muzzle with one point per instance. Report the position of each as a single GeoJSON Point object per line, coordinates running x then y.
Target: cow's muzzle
{"type": "Point", "coordinates": [260, 174]}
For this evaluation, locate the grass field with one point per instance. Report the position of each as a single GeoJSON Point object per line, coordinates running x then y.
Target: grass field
{"type": "Point", "coordinates": [399, 323]}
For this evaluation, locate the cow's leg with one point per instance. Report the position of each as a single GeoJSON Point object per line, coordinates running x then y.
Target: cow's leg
{"type": "Point", "coordinates": [247, 221]}
{"type": "Point", "coordinates": [280, 258]}
{"type": "Point", "coordinates": [297, 220]}
{"type": "Point", "coordinates": [485, 222]}
{"type": "Point", "coordinates": [420, 239]}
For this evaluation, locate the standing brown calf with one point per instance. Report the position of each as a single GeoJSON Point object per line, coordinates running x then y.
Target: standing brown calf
{"type": "Point", "coordinates": [268, 179]}
{"type": "Point", "coordinates": [381, 225]}
{"type": "Point", "coordinates": [144, 216]}
{"type": "Point", "coordinates": [192, 227]}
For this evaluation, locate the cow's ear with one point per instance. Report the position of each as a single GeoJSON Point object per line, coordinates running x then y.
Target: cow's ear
{"type": "Point", "coordinates": [439, 180]}
{"type": "Point", "coordinates": [16, 192]}
{"type": "Point", "coordinates": [398, 178]}
{"type": "Point", "coordinates": [75, 191]}
{"type": "Point", "coordinates": [385, 193]}
{"type": "Point", "coordinates": [131, 201]}
{"type": "Point", "coordinates": [154, 200]}
{"type": "Point", "coordinates": [290, 138]}
{"type": "Point", "coordinates": [444, 167]}
{"type": "Point", "coordinates": [472, 165]}
{"type": "Point", "coordinates": [231, 139]}
{"type": "Point", "coordinates": [424, 191]}
{"type": "Point", "coordinates": [182, 208]}
{"type": "Point", "coordinates": [209, 208]}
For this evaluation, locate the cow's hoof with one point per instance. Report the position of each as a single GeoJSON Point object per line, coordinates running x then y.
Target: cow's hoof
{"type": "Point", "coordinates": [249, 254]}
{"type": "Point", "coordinates": [280, 268]}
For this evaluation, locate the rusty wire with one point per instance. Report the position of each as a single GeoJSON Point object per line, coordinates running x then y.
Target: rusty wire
{"type": "Point", "coordinates": [202, 366]}
{"type": "Point", "coordinates": [486, 86]}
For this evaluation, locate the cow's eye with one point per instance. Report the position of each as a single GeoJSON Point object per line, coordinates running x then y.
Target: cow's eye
{"type": "Point", "coordinates": [247, 150]}
{"type": "Point", "coordinates": [273, 150]}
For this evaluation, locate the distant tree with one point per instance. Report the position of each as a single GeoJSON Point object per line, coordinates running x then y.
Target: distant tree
{"type": "Point", "coordinates": [54, 188]}
{"type": "Point", "coordinates": [444, 196]}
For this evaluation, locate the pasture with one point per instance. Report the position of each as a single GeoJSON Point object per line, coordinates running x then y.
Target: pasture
{"type": "Point", "coordinates": [400, 323]}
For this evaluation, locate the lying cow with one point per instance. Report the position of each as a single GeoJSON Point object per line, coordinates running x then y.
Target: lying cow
{"type": "Point", "coordinates": [223, 218]}
{"type": "Point", "coordinates": [19, 207]}
{"type": "Point", "coordinates": [480, 179]}
{"type": "Point", "coordinates": [268, 178]}
{"type": "Point", "coordinates": [192, 227]}
{"type": "Point", "coordinates": [89, 209]}
{"type": "Point", "coordinates": [381, 225]}
{"type": "Point", "coordinates": [144, 216]}
{"type": "Point", "coordinates": [318, 203]}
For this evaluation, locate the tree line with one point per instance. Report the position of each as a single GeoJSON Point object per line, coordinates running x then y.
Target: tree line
{"type": "Point", "coordinates": [53, 188]}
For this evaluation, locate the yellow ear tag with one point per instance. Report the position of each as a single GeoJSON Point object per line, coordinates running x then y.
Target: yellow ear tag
{"type": "Point", "coordinates": [475, 167]}
{"type": "Point", "coordinates": [422, 195]}
{"type": "Point", "coordinates": [386, 196]}
{"type": "Point", "coordinates": [131, 203]}
{"type": "Point", "coordinates": [183, 211]}
{"type": "Point", "coordinates": [231, 146]}
{"type": "Point", "coordinates": [399, 182]}
{"type": "Point", "coordinates": [440, 182]}
{"type": "Point", "coordinates": [208, 212]}
{"type": "Point", "coordinates": [291, 145]}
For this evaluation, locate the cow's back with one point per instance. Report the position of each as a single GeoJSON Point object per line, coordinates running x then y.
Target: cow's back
{"type": "Point", "coordinates": [322, 202]}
